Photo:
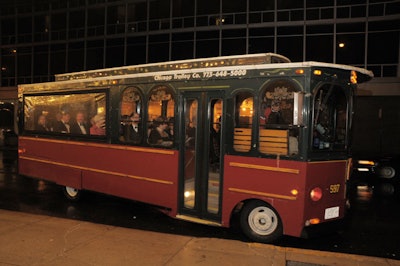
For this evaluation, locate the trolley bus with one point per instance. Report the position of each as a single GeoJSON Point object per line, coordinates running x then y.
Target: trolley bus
{"type": "Point", "coordinates": [255, 137]}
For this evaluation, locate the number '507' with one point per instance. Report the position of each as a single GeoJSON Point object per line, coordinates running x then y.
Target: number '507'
{"type": "Point", "coordinates": [334, 188]}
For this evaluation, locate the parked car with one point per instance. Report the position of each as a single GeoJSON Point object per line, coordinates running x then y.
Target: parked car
{"type": "Point", "coordinates": [381, 173]}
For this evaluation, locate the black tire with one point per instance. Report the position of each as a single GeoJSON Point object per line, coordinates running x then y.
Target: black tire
{"type": "Point", "coordinates": [72, 194]}
{"type": "Point", "coordinates": [387, 172]}
{"type": "Point", "coordinates": [260, 222]}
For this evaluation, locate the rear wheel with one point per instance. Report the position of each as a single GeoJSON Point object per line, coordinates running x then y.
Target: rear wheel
{"type": "Point", "coordinates": [72, 193]}
{"type": "Point", "coordinates": [260, 222]}
{"type": "Point", "coordinates": [387, 172]}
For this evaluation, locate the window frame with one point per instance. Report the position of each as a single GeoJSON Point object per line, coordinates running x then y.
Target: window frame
{"type": "Point", "coordinates": [125, 117]}
{"type": "Point", "coordinates": [333, 119]}
{"type": "Point", "coordinates": [283, 135]}
{"type": "Point", "coordinates": [236, 122]}
{"type": "Point", "coordinates": [106, 95]}
{"type": "Point", "coordinates": [150, 121]}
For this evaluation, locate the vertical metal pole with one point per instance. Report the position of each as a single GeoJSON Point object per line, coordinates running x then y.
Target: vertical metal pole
{"type": "Point", "coordinates": [275, 26]}
{"type": "Point", "coordinates": [48, 27]}
{"type": "Point", "coordinates": [1, 56]}
{"type": "Point", "coordinates": [126, 34]}
{"type": "Point", "coordinates": [147, 30]}
{"type": "Point", "coordinates": [32, 47]}
{"type": "Point", "coordinates": [220, 29]}
{"type": "Point", "coordinates": [334, 31]}
{"type": "Point", "coordinates": [15, 53]}
{"type": "Point", "coordinates": [67, 39]}
{"type": "Point", "coordinates": [398, 64]}
{"type": "Point", "coordinates": [305, 30]}
{"type": "Point", "coordinates": [195, 30]}
{"type": "Point", "coordinates": [171, 6]}
{"type": "Point", "coordinates": [247, 25]}
{"type": "Point", "coordinates": [366, 37]}
{"type": "Point", "coordinates": [104, 37]}
{"type": "Point", "coordinates": [85, 38]}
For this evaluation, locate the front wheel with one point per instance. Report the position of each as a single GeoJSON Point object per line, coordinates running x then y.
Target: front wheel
{"type": "Point", "coordinates": [260, 222]}
{"type": "Point", "coordinates": [72, 193]}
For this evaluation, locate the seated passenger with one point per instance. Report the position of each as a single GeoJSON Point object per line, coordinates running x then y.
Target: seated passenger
{"type": "Point", "coordinates": [98, 125]}
{"type": "Point", "coordinates": [275, 117]}
{"type": "Point", "coordinates": [190, 141]}
{"type": "Point", "coordinates": [130, 130]}
{"type": "Point", "coordinates": [158, 135]}
{"type": "Point", "coordinates": [41, 124]}
{"type": "Point", "coordinates": [80, 126]}
{"type": "Point", "coordinates": [63, 124]}
{"type": "Point", "coordinates": [170, 128]}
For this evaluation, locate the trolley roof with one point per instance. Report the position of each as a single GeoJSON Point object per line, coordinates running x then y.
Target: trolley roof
{"type": "Point", "coordinates": [236, 60]}
{"type": "Point", "coordinates": [194, 69]}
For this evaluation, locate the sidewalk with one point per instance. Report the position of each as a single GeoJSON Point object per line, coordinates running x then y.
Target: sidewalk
{"type": "Point", "coordinates": [27, 239]}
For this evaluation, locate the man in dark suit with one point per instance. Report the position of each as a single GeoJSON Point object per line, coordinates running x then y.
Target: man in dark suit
{"type": "Point", "coordinates": [63, 124]}
{"type": "Point", "coordinates": [80, 126]}
{"type": "Point", "coordinates": [131, 131]}
{"type": "Point", "coordinates": [275, 117]}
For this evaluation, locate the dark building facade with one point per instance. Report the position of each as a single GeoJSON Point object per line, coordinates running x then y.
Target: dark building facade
{"type": "Point", "coordinates": [40, 38]}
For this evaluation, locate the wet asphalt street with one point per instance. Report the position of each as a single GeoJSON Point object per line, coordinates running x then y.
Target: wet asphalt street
{"type": "Point", "coordinates": [371, 226]}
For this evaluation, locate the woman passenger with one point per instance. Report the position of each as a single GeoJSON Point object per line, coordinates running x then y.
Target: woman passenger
{"type": "Point", "coordinates": [98, 125]}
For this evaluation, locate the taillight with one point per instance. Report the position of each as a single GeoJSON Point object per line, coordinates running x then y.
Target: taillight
{"type": "Point", "coordinates": [316, 194]}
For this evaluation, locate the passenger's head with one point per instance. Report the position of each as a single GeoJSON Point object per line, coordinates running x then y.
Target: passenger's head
{"type": "Point", "coordinates": [135, 117]}
{"type": "Point", "coordinates": [276, 106]}
{"type": "Point", "coordinates": [99, 121]}
{"type": "Point", "coordinates": [42, 120]}
{"type": "Point", "coordinates": [160, 121]}
{"type": "Point", "coordinates": [66, 117]}
{"type": "Point", "coordinates": [80, 117]}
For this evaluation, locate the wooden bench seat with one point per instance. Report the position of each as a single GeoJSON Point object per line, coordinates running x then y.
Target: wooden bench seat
{"type": "Point", "coordinates": [242, 139]}
{"type": "Point", "coordinates": [274, 141]}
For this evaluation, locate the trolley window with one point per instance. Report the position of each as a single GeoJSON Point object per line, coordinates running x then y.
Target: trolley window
{"type": "Point", "coordinates": [131, 128]}
{"type": "Point", "coordinates": [330, 118]}
{"type": "Point", "coordinates": [161, 116]}
{"type": "Point", "coordinates": [75, 114]}
{"type": "Point", "coordinates": [244, 102]}
{"type": "Point", "coordinates": [277, 135]}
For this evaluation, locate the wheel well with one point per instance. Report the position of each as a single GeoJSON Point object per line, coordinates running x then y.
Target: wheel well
{"type": "Point", "coordinates": [240, 205]}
